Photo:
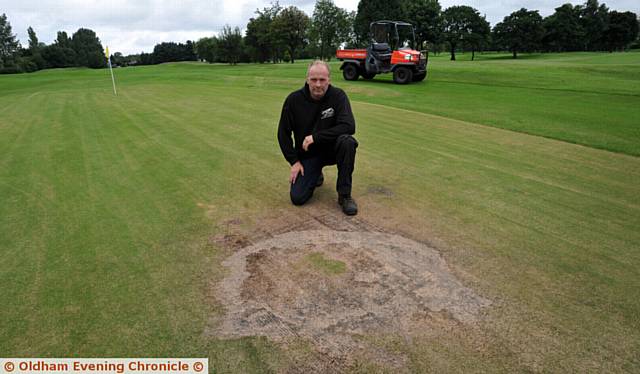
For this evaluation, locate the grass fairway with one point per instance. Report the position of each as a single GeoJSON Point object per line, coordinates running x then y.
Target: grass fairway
{"type": "Point", "coordinates": [108, 205]}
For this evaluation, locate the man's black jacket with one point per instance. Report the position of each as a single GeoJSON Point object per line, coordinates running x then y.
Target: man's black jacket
{"type": "Point", "coordinates": [325, 119]}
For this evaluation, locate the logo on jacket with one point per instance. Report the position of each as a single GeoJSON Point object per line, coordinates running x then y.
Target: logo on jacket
{"type": "Point", "coordinates": [327, 113]}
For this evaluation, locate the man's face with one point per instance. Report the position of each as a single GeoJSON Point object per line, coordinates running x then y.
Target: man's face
{"type": "Point", "coordinates": [318, 81]}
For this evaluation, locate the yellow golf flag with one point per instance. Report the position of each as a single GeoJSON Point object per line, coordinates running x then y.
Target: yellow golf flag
{"type": "Point", "coordinates": [113, 80]}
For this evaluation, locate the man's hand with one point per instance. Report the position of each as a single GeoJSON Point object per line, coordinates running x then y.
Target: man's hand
{"type": "Point", "coordinates": [308, 140]}
{"type": "Point", "coordinates": [295, 169]}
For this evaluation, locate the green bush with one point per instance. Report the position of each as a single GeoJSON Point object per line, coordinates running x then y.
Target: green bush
{"type": "Point", "coordinates": [27, 65]}
{"type": "Point", "coordinates": [10, 70]}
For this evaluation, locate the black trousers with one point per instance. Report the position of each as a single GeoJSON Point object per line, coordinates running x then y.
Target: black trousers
{"type": "Point", "coordinates": [343, 154]}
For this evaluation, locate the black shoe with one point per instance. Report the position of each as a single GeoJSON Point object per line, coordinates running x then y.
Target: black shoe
{"type": "Point", "coordinates": [320, 180]}
{"type": "Point", "coordinates": [349, 206]}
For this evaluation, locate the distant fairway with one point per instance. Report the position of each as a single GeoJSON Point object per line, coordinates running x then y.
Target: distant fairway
{"type": "Point", "coordinates": [109, 206]}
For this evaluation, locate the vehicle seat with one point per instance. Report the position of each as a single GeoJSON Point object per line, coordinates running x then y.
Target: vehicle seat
{"type": "Point", "coordinates": [382, 51]}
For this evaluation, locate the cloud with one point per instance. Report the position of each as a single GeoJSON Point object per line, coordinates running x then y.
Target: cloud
{"type": "Point", "coordinates": [133, 26]}
{"type": "Point", "coordinates": [129, 26]}
{"type": "Point", "coordinates": [495, 11]}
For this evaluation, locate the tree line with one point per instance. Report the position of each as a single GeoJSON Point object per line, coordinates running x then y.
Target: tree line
{"type": "Point", "coordinates": [283, 34]}
{"type": "Point", "coordinates": [83, 48]}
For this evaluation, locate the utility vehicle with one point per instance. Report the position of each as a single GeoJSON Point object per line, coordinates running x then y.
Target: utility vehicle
{"type": "Point", "coordinates": [391, 51]}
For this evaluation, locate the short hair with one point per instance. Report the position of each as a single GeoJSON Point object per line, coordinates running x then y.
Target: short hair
{"type": "Point", "coordinates": [319, 62]}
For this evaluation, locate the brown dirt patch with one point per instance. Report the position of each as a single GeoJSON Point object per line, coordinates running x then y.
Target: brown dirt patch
{"type": "Point", "coordinates": [281, 284]}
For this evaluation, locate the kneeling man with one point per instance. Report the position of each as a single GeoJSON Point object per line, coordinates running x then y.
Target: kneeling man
{"type": "Point", "coordinates": [320, 118]}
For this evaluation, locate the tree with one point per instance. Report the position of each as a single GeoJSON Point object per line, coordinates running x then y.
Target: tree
{"type": "Point", "coordinates": [207, 49]}
{"type": "Point", "coordinates": [258, 35]}
{"type": "Point", "coordinates": [9, 46]}
{"type": "Point", "coordinates": [58, 57]}
{"type": "Point", "coordinates": [375, 10]}
{"type": "Point", "coordinates": [350, 38]}
{"type": "Point", "coordinates": [63, 40]}
{"type": "Point", "coordinates": [189, 51]}
{"type": "Point", "coordinates": [117, 59]}
{"type": "Point", "coordinates": [563, 31]}
{"type": "Point", "coordinates": [290, 28]}
{"type": "Point", "coordinates": [166, 52]}
{"type": "Point", "coordinates": [89, 51]}
{"type": "Point", "coordinates": [329, 27]}
{"type": "Point", "coordinates": [146, 59]}
{"type": "Point", "coordinates": [33, 40]}
{"type": "Point", "coordinates": [60, 54]}
{"type": "Point", "coordinates": [479, 35]}
{"type": "Point", "coordinates": [520, 31]}
{"type": "Point", "coordinates": [594, 19]}
{"type": "Point", "coordinates": [34, 52]}
{"type": "Point", "coordinates": [230, 45]}
{"type": "Point", "coordinates": [172, 52]}
{"type": "Point", "coordinates": [463, 25]}
{"type": "Point", "coordinates": [426, 18]}
{"type": "Point", "coordinates": [622, 30]}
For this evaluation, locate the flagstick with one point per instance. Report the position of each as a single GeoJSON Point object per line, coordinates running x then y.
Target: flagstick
{"type": "Point", "coordinates": [112, 79]}
{"type": "Point", "coordinates": [106, 54]}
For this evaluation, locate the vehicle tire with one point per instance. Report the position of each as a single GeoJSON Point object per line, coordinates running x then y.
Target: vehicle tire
{"type": "Point", "coordinates": [419, 77]}
{"type": "Point", "coordinates": [402, 75]}
{"type": "Point", "coordinates": [350, 72]}
{"type": "Point", "coordinates": [368, 75]}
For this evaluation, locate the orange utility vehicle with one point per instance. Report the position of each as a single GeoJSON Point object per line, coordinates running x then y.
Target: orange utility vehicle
{"type": "Point", "coordinates": [391, 50]}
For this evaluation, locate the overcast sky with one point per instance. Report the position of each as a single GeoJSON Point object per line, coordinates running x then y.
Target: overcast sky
{"type": "Point", "coordinates": [132, 26]}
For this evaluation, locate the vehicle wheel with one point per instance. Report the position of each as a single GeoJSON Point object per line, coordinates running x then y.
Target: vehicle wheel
{"type": "Point", "coordinates": [402, 75]}
{"type": "Point", "coordinates": [368, 75]}
{"type": "Point", "coordinates": [350, 72]}
{"type": "Point", "coordinates": [419, 77]}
